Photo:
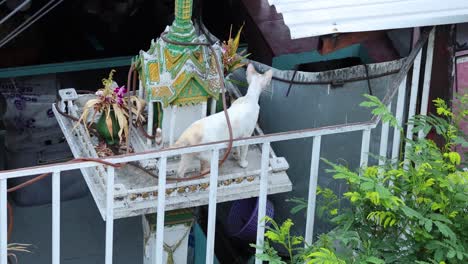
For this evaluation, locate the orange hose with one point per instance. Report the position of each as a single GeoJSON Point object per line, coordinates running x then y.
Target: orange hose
{"type": "Point", "coordinates": [10, 220]}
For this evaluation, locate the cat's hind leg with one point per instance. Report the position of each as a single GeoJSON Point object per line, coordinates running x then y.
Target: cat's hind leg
{"type": "Point", "coordinates": [236, 153]}
{"type": "Point", "coordinates": [184, 164]}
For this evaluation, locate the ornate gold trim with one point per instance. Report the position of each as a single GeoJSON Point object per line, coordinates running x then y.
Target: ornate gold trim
{"type": "Point", "coordinates": [153, 71]}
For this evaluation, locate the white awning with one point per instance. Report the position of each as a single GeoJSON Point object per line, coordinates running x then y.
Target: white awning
{"type": "Point", "coordinates": [307, 18]}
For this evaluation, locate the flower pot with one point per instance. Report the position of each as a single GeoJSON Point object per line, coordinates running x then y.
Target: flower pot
{"type": "Point", "coordinates": [101, 127]}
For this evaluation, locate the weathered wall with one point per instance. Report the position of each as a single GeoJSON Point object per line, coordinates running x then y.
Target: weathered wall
{"type": "Point", "coordinates": [309, 106]}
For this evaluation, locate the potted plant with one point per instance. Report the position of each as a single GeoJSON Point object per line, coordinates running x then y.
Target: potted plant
{"type": "Point", "coordinates": [112, 104]}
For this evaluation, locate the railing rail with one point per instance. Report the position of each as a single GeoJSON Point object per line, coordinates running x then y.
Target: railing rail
{"type": "Point", "coordinates": [398, 86]}
{"type": "Point", "coordinates": [275, 137]}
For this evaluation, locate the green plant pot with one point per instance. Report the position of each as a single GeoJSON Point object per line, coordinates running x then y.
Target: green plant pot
{"type": "Point", "coordinates": [101, 127]}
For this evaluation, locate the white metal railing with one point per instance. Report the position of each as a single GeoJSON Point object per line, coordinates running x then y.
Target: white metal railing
{"type": "Point", "coordinates": [398, 86]}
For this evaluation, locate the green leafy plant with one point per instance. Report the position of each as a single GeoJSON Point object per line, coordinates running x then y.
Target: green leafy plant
{"type": "Point", "coordinates": [413, 211]}
{"type": "Point", "coordinates": [281, 235]}
{"type": "Point", "coordinates": [324, 256]}
{"type": "Point", "coordinates": [327, 203]}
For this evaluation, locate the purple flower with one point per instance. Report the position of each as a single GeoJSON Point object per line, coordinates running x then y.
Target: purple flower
{"type": "Point", "coordinates": [120, 100]}
{"type": "Point", "coordinates": [120, 91]}
{"type": "Point", "coordinates": [99, 93]}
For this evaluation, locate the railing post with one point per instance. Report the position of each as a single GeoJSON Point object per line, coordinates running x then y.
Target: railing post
{"type": "Point", "coordinates": [384, 139]}
{"type": "Point", "coordinates": [109, 214]}
{"type": "Point", "coordinates": [427, 76]}
{"type": "Point", "coordinates": [262, 199]}
{"type": "Point", "coordinates": [210, 237]}
{"type": "Point", "coordinates": [3, 222]}
{"type": "Point", "coordinates": [313, 179]}
{"type": "Point", "coordinates": [149, 129]}
{"type": "Point", "coordinates": [413, 98]}
{"type": "Point", "coordinates": [172, 124]}
{"type": "Point", "coordinates": [141, 90]}
{"type": "Point", "coordinates": [365, 147]}
{"type": "Point", "coordinates": [161, 210]}
{"type": "Point", "coordinates": [399, 117]}
{"type": "Point", "coordinates": [213, 107]}
{"type": "Point", "coordinates": [56, 217]}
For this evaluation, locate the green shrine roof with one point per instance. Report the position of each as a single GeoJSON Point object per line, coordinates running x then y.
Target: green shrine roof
{"type": "Point", "coordinates": [177, 74]}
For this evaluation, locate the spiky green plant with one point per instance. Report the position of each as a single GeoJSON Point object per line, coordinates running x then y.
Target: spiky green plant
{"type": "Point", "coordinates": [231, 59]}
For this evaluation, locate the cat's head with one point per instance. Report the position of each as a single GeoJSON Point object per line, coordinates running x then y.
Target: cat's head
{"type": "Point", "coordinates": [262, 79]}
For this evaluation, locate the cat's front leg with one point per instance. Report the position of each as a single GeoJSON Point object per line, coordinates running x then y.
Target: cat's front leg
{"type": "Point", "coordinates": [236, 153]}
{"type": "Point", "coordinates": [243, 156]}
{"type": "Point", "coordinates": [205, 165]}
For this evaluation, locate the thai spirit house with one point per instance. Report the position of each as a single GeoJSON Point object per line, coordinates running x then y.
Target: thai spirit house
{"type": "Point", "coordinates": [177, 81]}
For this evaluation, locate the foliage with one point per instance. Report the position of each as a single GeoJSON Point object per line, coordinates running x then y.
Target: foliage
{"type": "Point", "coordinates": [300, 204]}
{"type": "Point", "coordinates": [324, 256]}
{"type": "Point", "coordinates": [401, 212]}
{"type": "Point", "coordinates": [112, 98]}
{"type": "Point", "coordinates": [281, 235]}
{"type": "Point", "coordinates": [15, 247]}
{"type": "Point", "coordinates": [231, 59]}
{"type": "Point", "coordinates": [380, 110]}
{"type": "Point", "coordinates": [327, 203]}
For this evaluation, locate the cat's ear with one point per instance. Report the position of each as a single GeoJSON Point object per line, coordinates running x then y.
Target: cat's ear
{"type": "Point", "coordinates": [267, 77]}
{"type": "Point", "coordinates": [250, 72]}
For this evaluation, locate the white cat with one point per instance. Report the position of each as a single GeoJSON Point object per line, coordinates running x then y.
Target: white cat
{"type": "Point", "coordinates": [243, 115]}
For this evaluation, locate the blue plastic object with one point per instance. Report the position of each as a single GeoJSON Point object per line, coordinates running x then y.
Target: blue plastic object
{"type": "Point", "coordinates": [197, 241]}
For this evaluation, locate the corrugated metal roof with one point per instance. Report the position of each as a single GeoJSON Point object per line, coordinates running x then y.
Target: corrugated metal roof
{"type": "Point", "coordinates": [307, 18]}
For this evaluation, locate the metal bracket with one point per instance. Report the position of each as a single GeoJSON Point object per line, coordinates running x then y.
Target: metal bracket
{"type": "Point", "coordinates": [279, 164]}
{"type": "Point", "coordinates": [67, 96]}
{"type": "Point", "coordinates": [119, 189]}
{"type": "Point", "coordinates": [337, 83]}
